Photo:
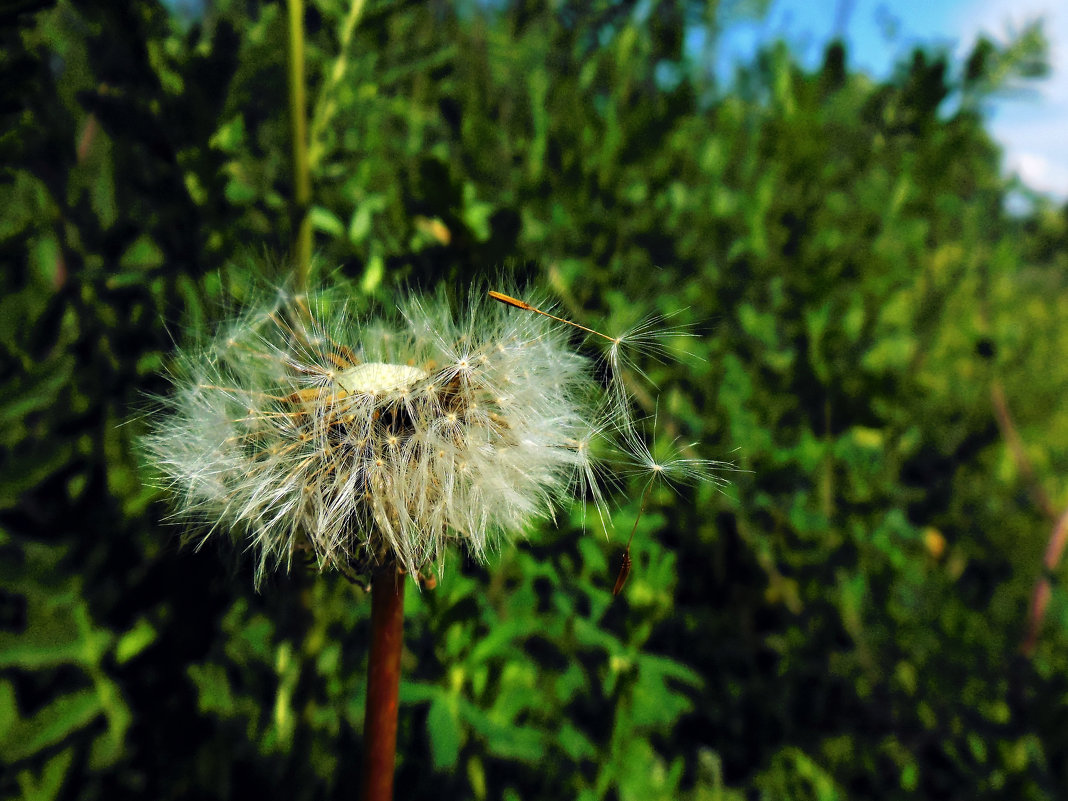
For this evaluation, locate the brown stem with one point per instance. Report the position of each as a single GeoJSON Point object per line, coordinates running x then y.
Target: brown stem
{"type": "Point", "coordinates": [383, 685]}
{"type": "Point", "coordinates": [85, 141]}
{"type": "Point", "coordinates": [1058, 538]}
{"type": "Point", "coordinates": [1042, 592]}
{"type": "Point", "coordinates": [1019, 453]}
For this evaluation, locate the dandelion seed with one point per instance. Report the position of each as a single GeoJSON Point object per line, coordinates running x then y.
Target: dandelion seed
{"type": "Point", "coordinates": [646, 339]}
{"type": "Point", "coordinates": [520, 304]}
{"type": "Point", "coordinates": [674, 471]}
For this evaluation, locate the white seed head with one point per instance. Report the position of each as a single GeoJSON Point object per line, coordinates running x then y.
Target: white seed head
{"type": "Point", "coordinates": [301, 427]}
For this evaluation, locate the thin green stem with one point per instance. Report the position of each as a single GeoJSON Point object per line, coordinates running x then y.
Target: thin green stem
{"type": "Point", "coordinates": [326, 104]}
{"type": "Point", "coordinates": [301, 221]}
{"type": "Point", "coordinates": [383, 685]}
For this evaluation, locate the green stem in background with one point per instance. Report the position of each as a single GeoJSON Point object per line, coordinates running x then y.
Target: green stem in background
{"type": "Point", "coordinates": [383, 685]}
{"type": "Point", "coordinates": [326, 104]}
{"type": "Point", "coordinates": [301, 221]}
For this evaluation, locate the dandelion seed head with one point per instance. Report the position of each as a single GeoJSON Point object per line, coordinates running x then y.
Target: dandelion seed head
{"type": "Point", "coordinates": [300, 427]}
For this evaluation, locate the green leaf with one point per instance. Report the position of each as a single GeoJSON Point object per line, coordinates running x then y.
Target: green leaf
{"type": "Point", "coordinates": [360, 222]}
{"type": "Point", "coordinates": [326, 221]}
{"type": "Point", "coordinates": [505, 740]}
{"type": "Point", "coordinates": [142, 254]}
{"type": "Point", "coordinates": [416, 692]}
{"type": "Point", "coordinates": [655, 703]}
{"type": "Point", "coordinates": [230, 136]}
{"type": "Point", "coordinates": [574, 743]}
{"type": "Point", "coordinates": [134, 641]}
{"type": "Point", "coordinates": [49, 725]}
{"type": "Point", "coordinates": [499, 643]}
{"type": "Point", "coordinates": [46, 785]}
{"type": "Point", "coordinates": [443, 726]}
{"type": "Point", "coordinates": [60, 631]}
{"type": "Point", "coordinates": [372, 277]}
{"type": "Point", "coordinates": [8, 708]}
{"type": "Point", "coordinates": [36, 391]}
{"type": "Point", "coordinates": [213, 688]}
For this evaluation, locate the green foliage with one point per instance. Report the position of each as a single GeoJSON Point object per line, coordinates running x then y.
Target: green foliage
{"type": "Point", "coordinates": [843, 622]}
{"type": "Point", "coordinates": [60, 636]}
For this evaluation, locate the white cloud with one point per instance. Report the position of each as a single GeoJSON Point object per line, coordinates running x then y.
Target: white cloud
{"type": "Point", "coordinates": [1032, 129]}
{"type": "Point", "coordinates": [1038, 172]}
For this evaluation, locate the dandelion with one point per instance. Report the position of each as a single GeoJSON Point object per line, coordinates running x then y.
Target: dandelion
{"type": "Point", "coordinates": [368, 442]}
{"type": "Point", "coordinates": [374, 444]}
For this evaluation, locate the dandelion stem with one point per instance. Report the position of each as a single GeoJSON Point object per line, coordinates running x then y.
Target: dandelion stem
{"type": "Point", "coordinates": [383, 684]}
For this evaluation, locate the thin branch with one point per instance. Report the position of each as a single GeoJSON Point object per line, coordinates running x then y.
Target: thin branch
{"type": "Point", "coordinates": [1019, 453]}
{"type": "Point", "coordinates": [1058, 538]}
{"type": "Point", "coordinates": [1043, 589]}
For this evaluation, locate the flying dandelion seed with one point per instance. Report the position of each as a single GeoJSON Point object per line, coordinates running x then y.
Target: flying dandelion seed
{"type": "Point", "coordinates": [646, 339]}
{"type": "Point", "coordinates": [378, 440]}
{"type": "Point", "coordinates": [672, 471]}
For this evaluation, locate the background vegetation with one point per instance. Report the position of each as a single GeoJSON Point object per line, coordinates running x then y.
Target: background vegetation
{"type": "Point", "coordinates": [882, 346]}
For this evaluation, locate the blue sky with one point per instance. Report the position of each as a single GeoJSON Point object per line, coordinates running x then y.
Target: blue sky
{"type": "Point", "coordinates": [1032, 128]}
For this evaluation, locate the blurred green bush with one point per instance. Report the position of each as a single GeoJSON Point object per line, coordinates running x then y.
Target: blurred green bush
{"type": "Point", "coordinates": [844, 622]}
